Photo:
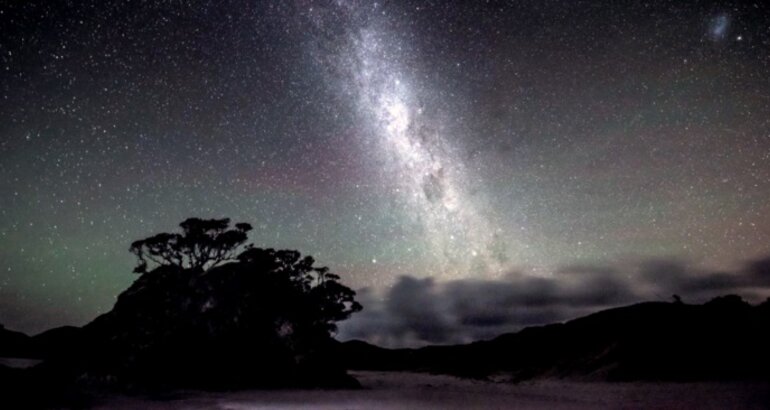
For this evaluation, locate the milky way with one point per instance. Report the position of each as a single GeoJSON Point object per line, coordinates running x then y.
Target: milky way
{"type": "Point", "coordinates": [438, 140]}
{"type": "Point", "coordinates": [423, 170]}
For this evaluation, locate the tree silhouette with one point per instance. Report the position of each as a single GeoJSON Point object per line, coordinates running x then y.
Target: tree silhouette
{"type": "Point", "coordinates": [209, 310]}
{"type": "Point", "coordinates": [315, 296]}
{"type": "Point", "coordinates": [203, 244]}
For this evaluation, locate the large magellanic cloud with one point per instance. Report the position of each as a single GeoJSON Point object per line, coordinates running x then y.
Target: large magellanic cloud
{"type": "Point", "coordinates": [416, 311]}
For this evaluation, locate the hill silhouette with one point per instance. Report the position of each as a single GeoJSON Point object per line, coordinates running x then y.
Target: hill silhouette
{"type": "Point", "coordinates": [16, 344]}
{"type": "Point", "coordinates": [724, 339]}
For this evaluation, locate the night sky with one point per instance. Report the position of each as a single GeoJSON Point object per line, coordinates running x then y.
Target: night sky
{"type": "Point", "coordinates": [494, 164]}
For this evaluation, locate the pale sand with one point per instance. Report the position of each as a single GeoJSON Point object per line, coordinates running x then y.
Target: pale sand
{"type": "Point", "coordinates": [392, 390]}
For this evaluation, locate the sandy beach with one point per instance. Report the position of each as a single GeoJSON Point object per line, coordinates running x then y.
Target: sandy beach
{"type": "Point", "coordinates": [394, 390]}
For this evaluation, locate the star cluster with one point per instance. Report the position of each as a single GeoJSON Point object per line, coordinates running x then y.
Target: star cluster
{"type": "Point", "coordinates": [432, 139]}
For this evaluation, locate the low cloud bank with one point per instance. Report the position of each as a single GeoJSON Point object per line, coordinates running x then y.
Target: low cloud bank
{"type": "Point", "coordinates": [420, 311]}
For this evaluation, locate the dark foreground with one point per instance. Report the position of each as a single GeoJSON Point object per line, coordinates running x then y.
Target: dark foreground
{"type": "Point", "coordinates": [398, 390]}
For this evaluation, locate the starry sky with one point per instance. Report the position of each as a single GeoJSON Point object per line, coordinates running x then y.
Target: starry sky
{"type": "Point", "coordinates": [423, 150]}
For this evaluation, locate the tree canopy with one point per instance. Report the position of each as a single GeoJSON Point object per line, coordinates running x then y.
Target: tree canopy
{"type": "Point", "coordinates": [203, 244]}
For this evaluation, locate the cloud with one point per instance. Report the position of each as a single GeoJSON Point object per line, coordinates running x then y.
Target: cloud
{"type": "Point", "coordinates": [417, 306]}
{"type": "Point", "coordinates": [758, 272]}
{"type": "Point", "coordinates": [417, 312]}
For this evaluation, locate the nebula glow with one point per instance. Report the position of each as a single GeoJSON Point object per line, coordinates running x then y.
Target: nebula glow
{"type": "Point", "coordinates": [719, 27]}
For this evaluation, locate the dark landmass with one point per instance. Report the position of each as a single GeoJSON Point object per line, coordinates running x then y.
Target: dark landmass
{"type": "Point", "coordinates": [724, 339]}
{"type": "Point", "coordinates": [16, 344]}
{"type": "Point", "coordinates": [210, 315]}
{"type": "Point", "coordinates": [59, 342]}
